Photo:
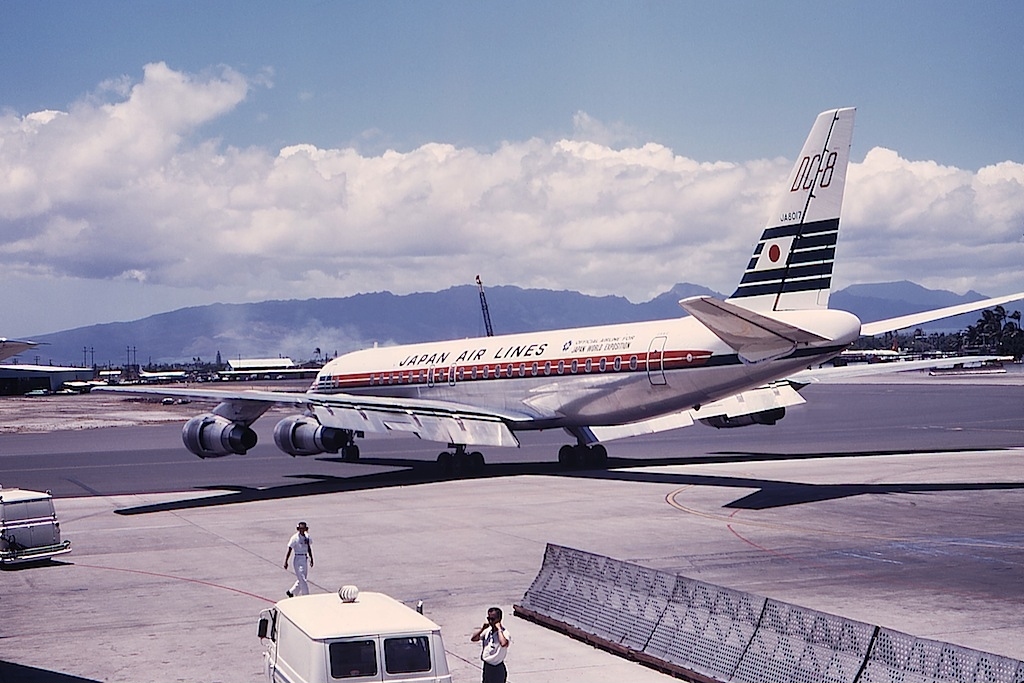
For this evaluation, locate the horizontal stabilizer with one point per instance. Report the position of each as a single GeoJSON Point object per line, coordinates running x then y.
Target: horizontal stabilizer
{"type": "Point", "coordinates": [753, 336]}
{"type": "Point", "coordinates": [914, 319]}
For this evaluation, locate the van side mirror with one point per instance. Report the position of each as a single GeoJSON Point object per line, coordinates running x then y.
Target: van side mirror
{"type": "Point", "coordinates": [264, 627]}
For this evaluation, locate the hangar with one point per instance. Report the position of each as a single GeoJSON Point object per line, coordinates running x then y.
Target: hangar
{"type": "Point", "coordinates": [20, 379]}
{"type": "Point", "coordinates": [266, 368]}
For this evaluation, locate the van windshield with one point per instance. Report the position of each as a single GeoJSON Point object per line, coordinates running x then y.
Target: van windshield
{"type": "Point", "coordinates": [353, 659]}
{"type": "Point", "coordinates": [406, 655]}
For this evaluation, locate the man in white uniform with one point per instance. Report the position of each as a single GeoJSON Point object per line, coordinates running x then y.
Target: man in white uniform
{"type": "Point", "coordinates": [301, 545]}
{"type": "Point", "coordinates": [494, 639]}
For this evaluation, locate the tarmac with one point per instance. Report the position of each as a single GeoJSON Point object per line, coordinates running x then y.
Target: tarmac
{"type": "Point", "coordinates": [930, 543]}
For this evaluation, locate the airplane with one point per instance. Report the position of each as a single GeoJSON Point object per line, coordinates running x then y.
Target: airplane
{"type": "Point", "coordinates": [726, 364]}
{"type": "Point", "coordinates": [12, 347]}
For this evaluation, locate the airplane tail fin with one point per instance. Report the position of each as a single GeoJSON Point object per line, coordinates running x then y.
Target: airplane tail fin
{"type": "Point", "coordinates": [791, 267]}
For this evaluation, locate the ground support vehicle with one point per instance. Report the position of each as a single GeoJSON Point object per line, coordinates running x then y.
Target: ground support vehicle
{"type": "Point", "coordinates": [29, 530]}
{"type": "Point", "coordinates": [351, 636]}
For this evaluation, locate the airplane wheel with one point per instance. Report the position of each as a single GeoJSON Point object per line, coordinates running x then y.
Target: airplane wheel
{"type": "Point", "coordinates": [350, 453]}
{"type": "Point", "coordinates": [476, 461]}
{"type": "Point", "coordinates": [460, 464]}
{"type": "Point", "coordinates": [566, 456]}
{"type": "Point", "coordinates": [597, 456]}
{"type": "Point", "coordinates": [444, 462]}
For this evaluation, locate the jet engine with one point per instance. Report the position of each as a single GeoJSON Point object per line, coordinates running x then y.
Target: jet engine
{"type": "Point", "coordinates": [213, 436]}
{"type": "Point", "coordinates": [764, 417]}
{"type": "Point", "coordinates": [303, 435]}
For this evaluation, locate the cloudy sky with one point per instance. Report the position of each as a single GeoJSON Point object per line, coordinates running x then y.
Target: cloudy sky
{"type": "Point", "coordinates": [161, 155]}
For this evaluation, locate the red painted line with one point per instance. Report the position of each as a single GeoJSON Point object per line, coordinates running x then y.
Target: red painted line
{"type": "Point", "coordinates": [762, 548]}
{"type": "Point", "coordinates": [177, 578]}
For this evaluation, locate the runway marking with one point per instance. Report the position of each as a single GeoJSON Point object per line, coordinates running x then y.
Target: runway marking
{"type": "Point", "coordinates": [746, 540]}
{"type": "Point", "coordinates": [729, 520]}
{"type": "Point", "coordinates": [227, 588]}
{"type": "Point", "coordinates": [862, 556]}
{"type": "Point", "coordinates": [177, 578]}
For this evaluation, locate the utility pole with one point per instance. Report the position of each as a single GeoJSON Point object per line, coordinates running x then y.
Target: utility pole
{"type": "Point", "coordinates": [483, 307]}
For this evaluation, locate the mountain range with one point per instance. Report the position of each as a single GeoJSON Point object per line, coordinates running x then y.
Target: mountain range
{"type": "Point", "coordinates": [304, 329]}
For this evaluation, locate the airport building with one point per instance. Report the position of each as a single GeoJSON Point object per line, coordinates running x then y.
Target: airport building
{"type": "Point", "coordinates": [266, 368]}
{"type": "Point", "coordinates": [17, 380]}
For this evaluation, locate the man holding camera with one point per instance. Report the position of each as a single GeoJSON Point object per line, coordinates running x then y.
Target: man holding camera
{"type": "Point", "coordinates": [494, 639]}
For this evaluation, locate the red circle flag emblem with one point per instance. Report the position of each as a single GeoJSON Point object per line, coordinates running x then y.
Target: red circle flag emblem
{"type": "Point", "coordinates": [774, 253]}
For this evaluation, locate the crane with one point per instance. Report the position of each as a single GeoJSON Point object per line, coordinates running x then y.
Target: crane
{"type": "Point", "coordinates": [483, 307]}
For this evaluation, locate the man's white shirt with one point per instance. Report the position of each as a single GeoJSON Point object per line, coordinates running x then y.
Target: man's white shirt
{"type": "Point", "coordinates": [492, 652]}
{"type": "Point", "coordinates": [299, 544]}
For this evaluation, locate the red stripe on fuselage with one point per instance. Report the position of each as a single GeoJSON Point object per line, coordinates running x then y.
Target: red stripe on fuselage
{"type": "Point", "coordinates": [482, 372]}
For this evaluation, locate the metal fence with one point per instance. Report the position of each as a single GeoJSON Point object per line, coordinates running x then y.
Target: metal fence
{"type": "Point", "coordinates": [710, 634]}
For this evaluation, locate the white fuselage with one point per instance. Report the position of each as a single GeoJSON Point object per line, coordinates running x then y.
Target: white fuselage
{"type": "Point", "coordinates": [589, 376]}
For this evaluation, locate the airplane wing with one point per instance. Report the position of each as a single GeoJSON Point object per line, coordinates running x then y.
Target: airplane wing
{"type": "Point", "coordinates": [735, 410]}
{"type": "Point", "coordinates": [914, 319]}
{"type": "Point", "coordinates": [12, 347]}
{"type": "Point", "coordinates": [440, 421]}
{"type": "Point", "coordinates": [839, 374]}
{"type": "Point", "coordinates": [760, 406]}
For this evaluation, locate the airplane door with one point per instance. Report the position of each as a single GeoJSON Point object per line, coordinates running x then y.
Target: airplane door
{"type": "Point", "coordinates": [656, 361]}
{"type": "Point", "coordinates": [451, 376]}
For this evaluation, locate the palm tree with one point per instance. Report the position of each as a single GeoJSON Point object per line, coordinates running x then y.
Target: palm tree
{"type": "Point", "coordinates": [996, 332]}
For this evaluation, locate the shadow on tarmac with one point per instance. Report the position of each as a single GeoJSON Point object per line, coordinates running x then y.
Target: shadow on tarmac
{"type": "Point", "coordinates": [770, 493]}
{"type": "Point", "coordinates": [775, 494]}
{"type": "Point", "coordinates": [17, 673]}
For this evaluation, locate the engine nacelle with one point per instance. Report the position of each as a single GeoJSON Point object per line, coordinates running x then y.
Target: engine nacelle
{"type": "Point", "coordinates": [213, 436]}
{"type": "Point", "coordinates": [765, 417]}
{"type": "Point", "coordinates": [303, 435]}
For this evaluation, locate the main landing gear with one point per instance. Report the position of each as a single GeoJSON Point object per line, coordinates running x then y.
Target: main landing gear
{"type": "Point", "coordinates": [350, 450]}
{"type": "Point", "coordinates": [460, 463]}
{"type": "Point", "coordinates": [583, 456]}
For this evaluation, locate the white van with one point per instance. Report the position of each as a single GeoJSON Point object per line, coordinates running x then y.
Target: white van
{"type": "Point", "coordinates": [29, 530]}
{"type": "Point", "coordinates": [353, 637]}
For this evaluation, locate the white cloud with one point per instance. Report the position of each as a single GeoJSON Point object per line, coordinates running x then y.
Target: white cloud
{"type": "Point", "coordinates": [940, 226]}
{"type": "Point", "coordinates": [586, 127]}
{"type": "Point", "coordinates": [119, 187]}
